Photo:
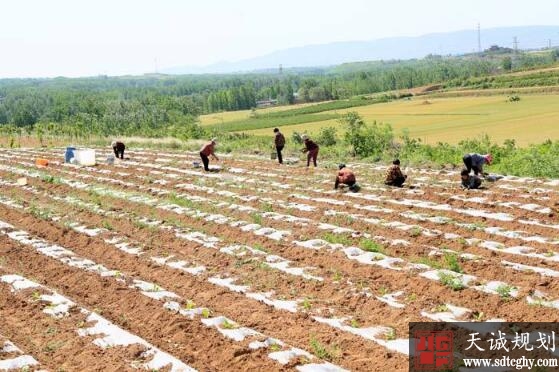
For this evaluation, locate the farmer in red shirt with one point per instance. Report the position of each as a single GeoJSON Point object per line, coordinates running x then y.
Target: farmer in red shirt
{"type": "Point", "coordinates": [346, 177]}
{"type": "Point", "coordinates": [311, 149]}
{"type": "Point", "coordinates": [206, 151]}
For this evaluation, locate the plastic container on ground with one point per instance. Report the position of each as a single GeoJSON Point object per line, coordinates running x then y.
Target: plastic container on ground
{"type": "Point", "coordinates": [110, 159]}
{"type": "Point", "coordinates": [85, 157]}
{"type": "Point", "coordinates": [69, 154]}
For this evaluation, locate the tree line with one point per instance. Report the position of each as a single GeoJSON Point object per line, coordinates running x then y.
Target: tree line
{"type": "Point", "coordinates": [157, 105]}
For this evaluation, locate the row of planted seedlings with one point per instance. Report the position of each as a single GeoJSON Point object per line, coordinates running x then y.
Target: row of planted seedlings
{"type": "Point", "coordinates": [315, 341]}
{"type": "Point", "coordinates": [439, 207]}
{"type": "Point", "coordinates": [523, 207]}
{"type": "Point", "coordinates": [71, 335]}
{"type": "Point", "coordinates": [14, 358]}
{"type": "Point", "coordinates": [281, 352]}
{"type": "Point", "coordinates": [184, 159]}
{"type": "Point", "coordinates": [444, 220]}
{"type": "Point", "coordinates": [433, 178]}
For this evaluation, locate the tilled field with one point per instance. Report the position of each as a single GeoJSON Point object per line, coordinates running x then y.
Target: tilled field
{"type": "Point", "coordinates": [151, 264]}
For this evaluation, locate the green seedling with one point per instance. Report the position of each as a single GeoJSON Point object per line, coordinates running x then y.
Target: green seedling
{"type": "Point", "coordinates": [189, 305]}
{"type": "Point", "coordinates": [451, 262]}
{"type": "Point", "coordinates": [451, 281]}
{"type": "Point", "coordinates": [307, 304]}
{"type": "Point", "coordinates": [267, 207]}
{"type": "Point", "coordinates": [336, 238]}
{"type": "Point", "coordinates": [383, 291]}
{"type": "Point", "coordinates": [415, 232]}
{"type": "Point", "coordinates": [260, 248]}
{"type": "Point", "coordinates": [428, 261]}
{"type": "Point", "coordinates": [36, 295]}
{"type": "Point", "coordinates": [228, 325]}
{"type": "Point", "coordinates": [206, 313]}
{"type": "Point", "coordinates": [441, 308]}
{"type": "Point", "coordinates": [354, 323]}
{"type": "Point", "coordinates": [371, 246]}
{"type": "Point", "coordinates": [107, 225]}
{"type": "Point", "coordinates": [390, 335]}
{"type": "Point", "coordinates": [478, 316]}
{"type": "Point", "coordinates": [505, 291]}
{"type": "Point", "coordinates": [275, 347]}
{"type": "Point", "coordinates": [337, 276]}
{"type": "Point", "coordinates": [51, 331]}
{"type": "Point", "coordinates": [322, 351]}
{"type": "Point", "coordinates": [256, 218]}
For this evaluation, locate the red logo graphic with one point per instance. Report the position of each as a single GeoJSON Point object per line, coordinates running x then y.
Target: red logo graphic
{"type": "Point", "coordinates": [433, 350]}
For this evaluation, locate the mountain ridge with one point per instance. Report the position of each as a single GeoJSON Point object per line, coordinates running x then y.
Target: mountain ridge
{"type": "Point", "coordinates": [442, 43]}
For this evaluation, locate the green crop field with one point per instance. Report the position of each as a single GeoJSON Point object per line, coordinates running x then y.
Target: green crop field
{"type": "Point", "coordinates": [533, 119]}
{"type": "Point", "coordinates": [228, 116]}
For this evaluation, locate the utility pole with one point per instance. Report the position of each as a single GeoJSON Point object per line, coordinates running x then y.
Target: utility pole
{"type": "Point", "coordinates": [515, 44]}
{"type": "Point", "coordinates": [478, 38]}
{"type": "Point", "coordinates": [548, 43]}
{"type": "Point", "coordinates": [280, 69]}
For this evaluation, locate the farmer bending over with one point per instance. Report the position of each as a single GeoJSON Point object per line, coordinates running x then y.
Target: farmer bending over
{"type": "Point", "coordinates": [311, 149]}
{"type": "Point", "coordinates": [394, 175]}
{"type": "Point", "coordinates": [346, 177]}
{"type": "Point", "coordinates": [118, 148]}
{"type": "Point", "coordinates": [206, 151]}
{"type": "Point", "coordinates": [476, 162]}
{"type": "Point", "coordinates": [470, 182]}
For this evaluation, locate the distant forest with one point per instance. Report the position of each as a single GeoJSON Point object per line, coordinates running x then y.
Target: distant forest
{"type": "Point", "coordinates": [157, 105]}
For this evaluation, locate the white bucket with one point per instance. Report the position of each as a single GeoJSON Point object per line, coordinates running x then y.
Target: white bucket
{"type": "Point", "coordinates": [85, 157]}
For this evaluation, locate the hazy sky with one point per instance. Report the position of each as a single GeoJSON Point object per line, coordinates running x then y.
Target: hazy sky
{"type": "Point", "coordinates": [86, 37]}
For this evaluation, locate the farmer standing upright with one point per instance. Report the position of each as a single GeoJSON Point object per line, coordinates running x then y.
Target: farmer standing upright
{"type": "Point", "coordinates": [206, 151]}
{"type": "Point", "coordinates": [280, 143]}
{"type": "Point", "coordinates": [311, 148]}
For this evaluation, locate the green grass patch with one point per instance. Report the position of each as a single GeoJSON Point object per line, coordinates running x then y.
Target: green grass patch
{"type": "Point", "coordinates": [370, 245]}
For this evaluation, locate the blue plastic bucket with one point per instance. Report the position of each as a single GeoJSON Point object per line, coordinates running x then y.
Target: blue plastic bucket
{"type": "Point", "coordinates": [69, 154]}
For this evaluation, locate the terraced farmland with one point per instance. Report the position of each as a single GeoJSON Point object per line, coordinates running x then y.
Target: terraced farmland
{"type": "Point", "coordinates": [151, 264]}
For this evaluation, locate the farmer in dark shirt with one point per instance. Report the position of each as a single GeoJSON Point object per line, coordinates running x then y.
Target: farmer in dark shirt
{"type": "Point", "coordinates": [118, 148]}
{"type": "Point", "coordinates": [394, 175]}
{"type": "Point", "coordinates": [311, 149]}
{"type": "Point", "coordinates": [469, 181]}
{"type": "Point", "coordinates": [476, 162]}
{"type": "Point", "coordinates": [280, 143]}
